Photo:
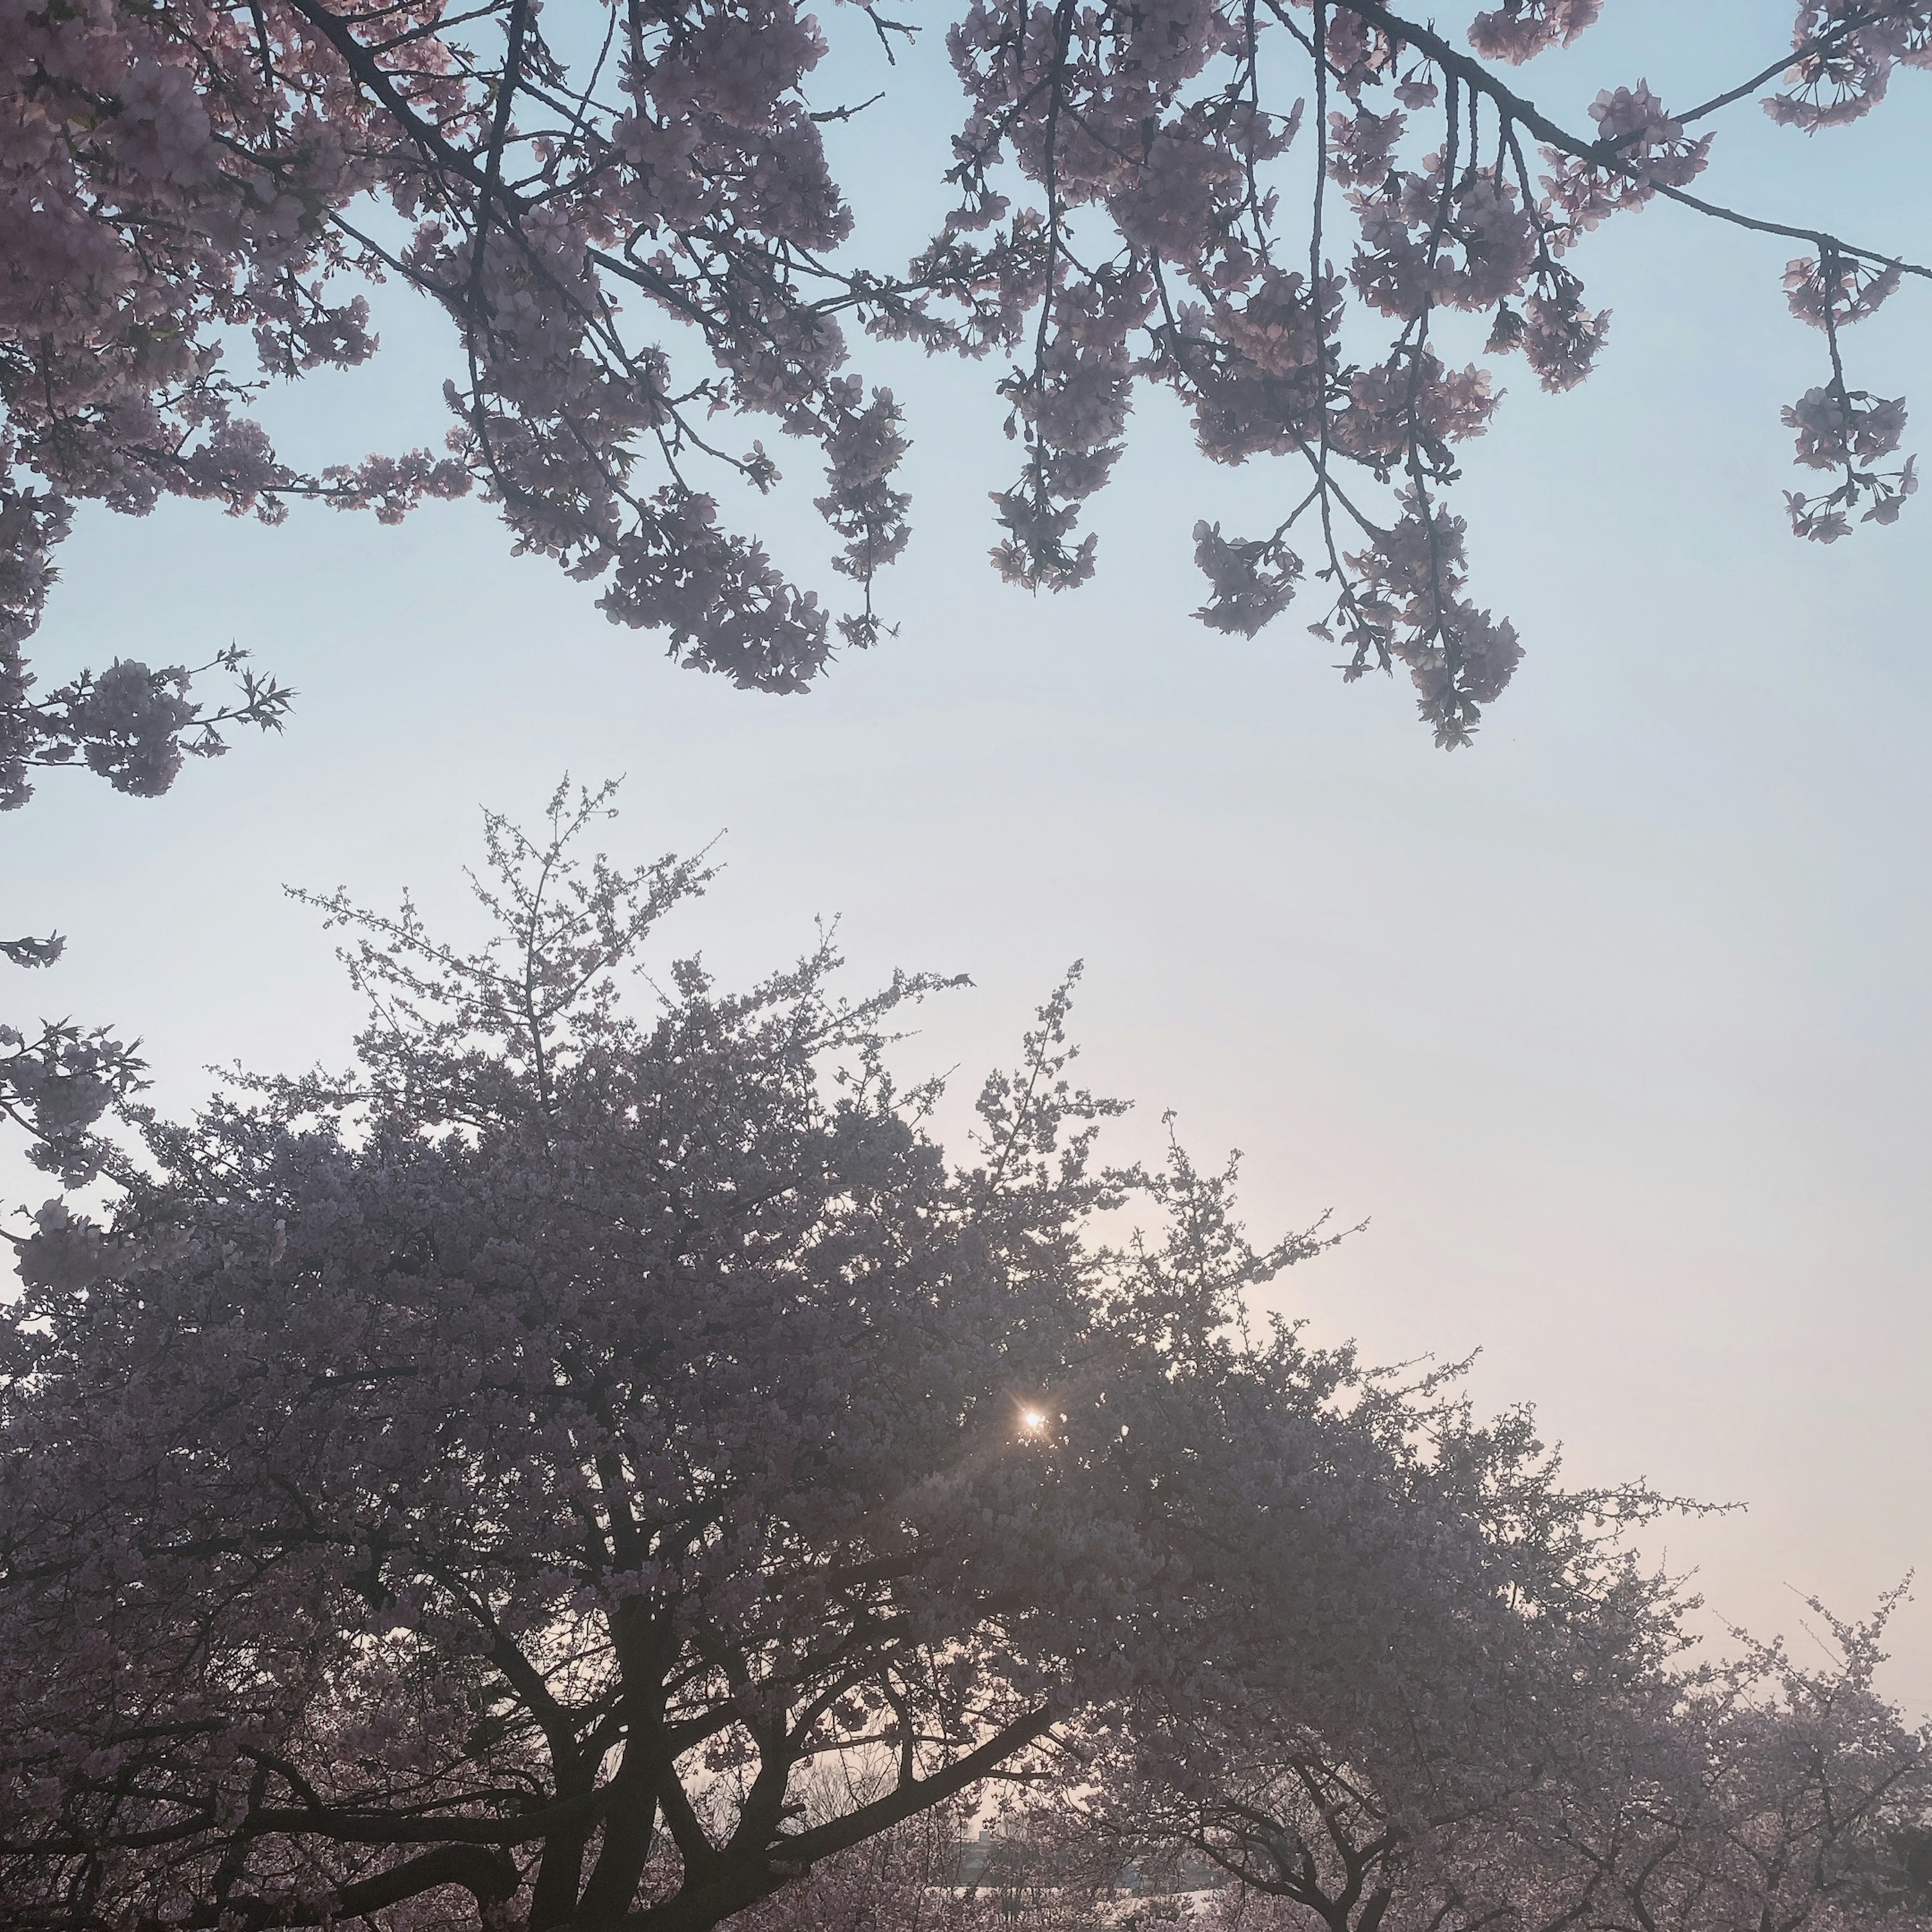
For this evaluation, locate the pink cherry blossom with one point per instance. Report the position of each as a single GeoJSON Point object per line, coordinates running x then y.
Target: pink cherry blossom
{"type": "Point", "coordinates": [1520, 28]}
{"type": "Point", "coordinates": [1127, 202]}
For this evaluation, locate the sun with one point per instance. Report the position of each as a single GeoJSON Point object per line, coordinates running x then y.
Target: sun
{"type": "Point", "coordinates": [1034, 1419]}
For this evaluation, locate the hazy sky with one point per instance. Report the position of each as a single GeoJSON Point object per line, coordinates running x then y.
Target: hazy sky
{"type": "Point", "coordinates": [1615, 1027]}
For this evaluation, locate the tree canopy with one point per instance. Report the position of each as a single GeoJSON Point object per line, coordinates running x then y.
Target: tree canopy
{"type": "Point", "coordinates": [1276, 208]}
{"type": "Point", "coordinates": [570, 1428]}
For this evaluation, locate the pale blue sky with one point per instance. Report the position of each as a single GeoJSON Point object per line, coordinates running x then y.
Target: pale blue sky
{"type": "Point", "coordinates": [1615, 1026]}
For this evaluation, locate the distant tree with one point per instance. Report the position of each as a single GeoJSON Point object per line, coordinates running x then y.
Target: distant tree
{"type": "Point", "coordinates": [1567, 1782]}
{"type": "Point", "coordinates": [627, 213]}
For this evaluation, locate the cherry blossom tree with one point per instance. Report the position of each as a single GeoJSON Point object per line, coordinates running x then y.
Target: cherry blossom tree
{"type": "Point", "coordinates": [1277, 209]}
{"type": "Point", "coordinates": [584, 1469]}
{"type": "Point", "coordinates": [572, 1436]}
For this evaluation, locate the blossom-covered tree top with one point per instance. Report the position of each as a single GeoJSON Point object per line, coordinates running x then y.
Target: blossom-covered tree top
{"type": "Point", "coordinates": [572, 1432]}
{"type": "Point", "coordinates": [627, 213]}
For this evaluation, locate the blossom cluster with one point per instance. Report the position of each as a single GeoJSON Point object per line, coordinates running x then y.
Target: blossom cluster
{"type": "Point", "coordinates": [176, 182]}
{"type": "Point", "coordinates": [1848, 51]}
{"type": "Point", "coordinates": [635, 244]}
{"type": "Point", "coordinates": [57, 1084]}
{"type": "Point", "coordinates": [1161, 171]}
